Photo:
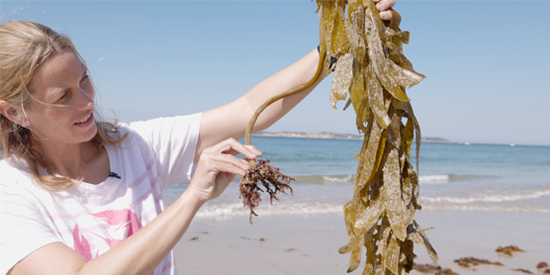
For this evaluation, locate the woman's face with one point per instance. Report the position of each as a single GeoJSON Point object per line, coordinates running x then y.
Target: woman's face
{"type": "Point", "coordinates": [62, 102]}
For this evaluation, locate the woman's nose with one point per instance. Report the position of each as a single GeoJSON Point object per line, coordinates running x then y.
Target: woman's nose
{"type": "Point", "coordinates": [86, 101]}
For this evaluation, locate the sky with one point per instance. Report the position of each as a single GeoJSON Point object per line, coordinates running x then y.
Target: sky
{"type": "Point", "coordinates": [486, 62]}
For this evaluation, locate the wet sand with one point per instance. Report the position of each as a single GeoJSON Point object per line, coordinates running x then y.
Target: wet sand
{"type": "Point", "coordinates": [309, 244]}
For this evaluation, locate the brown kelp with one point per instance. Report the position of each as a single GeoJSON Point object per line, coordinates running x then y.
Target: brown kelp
{"type": "Point", "coordinates": [371, 67]}
{"type": "Point", "coordinates": [472, 262]}
{"type": "Point", "coordinates": [432, 269]}
{"type": "Point", "coordinates": [508, 251]}
{"type": "Point", "coordinates": [542, 267]}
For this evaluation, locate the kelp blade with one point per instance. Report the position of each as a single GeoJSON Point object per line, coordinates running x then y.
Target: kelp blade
{"type": "Point", "coordinates": [373, 69]}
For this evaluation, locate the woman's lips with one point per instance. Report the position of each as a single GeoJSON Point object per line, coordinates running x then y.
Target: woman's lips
{"type": "Point", "coordinates": [86, 120]}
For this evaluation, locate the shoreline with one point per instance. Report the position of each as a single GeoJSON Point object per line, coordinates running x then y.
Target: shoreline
{"type": "Point", "coordinates": [309, 244]}
{"type": "Point", "coordinates": [329, 135]}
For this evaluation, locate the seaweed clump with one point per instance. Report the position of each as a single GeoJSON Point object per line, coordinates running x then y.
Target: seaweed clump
{"type": "Point", "coordinates": [508, 251]}
{"type": "Point", "coordinates": [472, 262]}
{"type": "Point", "coordinates": [543, 267]}
{"type": "Point", "coordinates": [522, 270]}
{"type": "Point", "coordinates": [432, 269]}
{"type": "Point", "coordinates": [264, 172]}
{"type": "Point", "coordinates": [270, 177]}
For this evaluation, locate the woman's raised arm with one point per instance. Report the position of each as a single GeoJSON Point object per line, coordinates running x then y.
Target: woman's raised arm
{"type": "Point", "coordinates": [230, 121]}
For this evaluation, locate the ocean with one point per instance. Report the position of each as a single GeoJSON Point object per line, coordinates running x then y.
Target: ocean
{"type": "Point", "coordinates": [473, 177]}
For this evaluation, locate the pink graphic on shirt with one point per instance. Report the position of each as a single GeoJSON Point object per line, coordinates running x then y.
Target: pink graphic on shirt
{"type": "Point", "coordinates": [120, 219]}
{"type": "Point", "coordinates": [81, 245]}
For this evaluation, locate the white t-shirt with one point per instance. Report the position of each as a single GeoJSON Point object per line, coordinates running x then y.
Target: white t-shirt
{"type": "Point", "coordinates": [89, 218]}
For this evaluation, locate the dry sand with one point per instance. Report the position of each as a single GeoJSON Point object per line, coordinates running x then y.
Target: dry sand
{"type": "Point", "coordinates": [309, 245]}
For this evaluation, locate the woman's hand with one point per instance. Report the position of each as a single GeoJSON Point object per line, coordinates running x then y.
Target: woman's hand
{"type": "Point", "coordinates": [218, 166]}
{"type": "Point", "coordinates": [383, 6]}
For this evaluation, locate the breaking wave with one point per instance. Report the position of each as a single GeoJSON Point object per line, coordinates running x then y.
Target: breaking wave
{"type": "Point", "coordinates": [326, 179]}
{"type": "Point", "coordinates": [233, 210]}
{"type": "Point", "coordinates": [489, 198]}
{"type": "Point", "coordinates": [485, 208]}
{"type": "Point", "coordinates": [444, 178]}
{"type": "Point", "coordinates": [427, 179]}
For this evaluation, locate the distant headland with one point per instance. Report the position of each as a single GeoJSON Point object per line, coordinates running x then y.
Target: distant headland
{"type": "Point", "coordinates": [328, 135]}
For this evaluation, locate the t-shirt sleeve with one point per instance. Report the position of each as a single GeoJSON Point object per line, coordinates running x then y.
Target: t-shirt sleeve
{"type": "Point", "coordinates": [173, 142]}
{"type": "Point", "coordinates": [23, 227]}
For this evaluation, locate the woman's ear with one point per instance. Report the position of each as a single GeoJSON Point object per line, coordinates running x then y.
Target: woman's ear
{"type": "Point", "coordinates": [13, 113]}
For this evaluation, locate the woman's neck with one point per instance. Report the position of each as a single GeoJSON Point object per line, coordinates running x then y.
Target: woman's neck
{"type": "Point", "coordinates": [72, 160]}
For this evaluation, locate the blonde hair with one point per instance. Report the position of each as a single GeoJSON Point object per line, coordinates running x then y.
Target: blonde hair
{"type": "Point", "coordinates": [23, 47]}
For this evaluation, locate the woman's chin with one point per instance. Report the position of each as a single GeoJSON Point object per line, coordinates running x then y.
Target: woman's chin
{"type": "Point", "coordinates": [91, 133]}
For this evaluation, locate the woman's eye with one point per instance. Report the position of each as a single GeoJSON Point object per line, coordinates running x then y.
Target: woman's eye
{"type": "Point", "coordinates": [84, 78]}
{"type": "Point", "coordinates": [63, 96]}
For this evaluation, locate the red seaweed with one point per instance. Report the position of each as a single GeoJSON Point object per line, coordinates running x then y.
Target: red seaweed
{"type": "Point", "coordinates": [271, 179]}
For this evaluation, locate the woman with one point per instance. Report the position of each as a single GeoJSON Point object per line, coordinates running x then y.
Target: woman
{"type": "Point", "coordinates": [79, 196]}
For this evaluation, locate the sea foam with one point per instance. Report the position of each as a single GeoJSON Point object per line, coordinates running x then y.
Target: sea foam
{"type": "Point", "coordinates": [484, 208]}
{"type": "Point", "coordinates": [443, 178]}
{"type": "Point", "coordinates": [233, 210]}
{"type": "Point", "coordinates": [489, 198]}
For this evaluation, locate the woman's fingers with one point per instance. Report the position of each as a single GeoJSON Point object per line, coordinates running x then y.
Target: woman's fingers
{"type": "Point", "coordinates": [214, 173]}
{"type": "Point", "coordinates": [225, 163]}
{"type": "Point", "coordinates": [382, 6]}
{"type": "Point", "coordinates": [218, 166]}
{"type": "Point", "coordinates": [385, 15]}
{"type": "Point", "coordinates": [253, 149]}
{"type": "Point", "coordinates": [221, 157]}
{"type": "Point", "coordinates": [233, 147]}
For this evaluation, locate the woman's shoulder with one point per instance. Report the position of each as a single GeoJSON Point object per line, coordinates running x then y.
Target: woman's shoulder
{"type": "Point", "coordinates": [164, 123]}
{"type": "Point", "coordinates": [11, 168]}
{"type": "Point", "coordinates": [163, 129]}
{"type": "Point", "coordinates": [145, 128]}
{"type": "Point", "coordinates": [15, 174]}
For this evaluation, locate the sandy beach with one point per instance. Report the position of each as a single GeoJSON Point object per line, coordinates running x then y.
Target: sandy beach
{"type": "Point", "coordinates": [309, 244]}
{"type": "Point", "coordinates": [476, 197]}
